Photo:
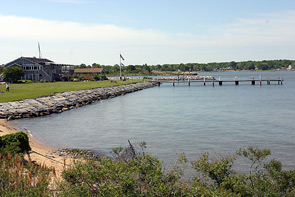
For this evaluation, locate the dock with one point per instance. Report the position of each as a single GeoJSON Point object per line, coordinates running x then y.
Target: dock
{"type": "Point", "coordinates": [207, 80]}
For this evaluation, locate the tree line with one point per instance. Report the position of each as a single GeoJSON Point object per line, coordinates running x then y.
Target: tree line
{"type": "Point", "coordinates": [187, 67]}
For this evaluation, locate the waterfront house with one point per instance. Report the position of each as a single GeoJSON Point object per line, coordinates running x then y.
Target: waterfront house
{"type": "Point", "coordinates": [41, 69]}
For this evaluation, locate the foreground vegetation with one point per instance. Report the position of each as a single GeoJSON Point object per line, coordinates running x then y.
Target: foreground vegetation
{"type": "Point", "coordinates": [28, 90]}
{"type": "Point", "coordinates": [136, 173]}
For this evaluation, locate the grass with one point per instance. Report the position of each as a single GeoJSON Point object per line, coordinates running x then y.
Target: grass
{"type": "Point", "coordinates": [19, 92]}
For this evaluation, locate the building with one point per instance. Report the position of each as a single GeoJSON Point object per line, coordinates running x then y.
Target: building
{"type": "Point", "coordinates": [89, 71]}
{"type": "Point", "coordinates": [40, 69]}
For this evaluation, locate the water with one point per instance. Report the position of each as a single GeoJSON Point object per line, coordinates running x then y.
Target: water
{"type": "Point", "coordinates": [191, 119]}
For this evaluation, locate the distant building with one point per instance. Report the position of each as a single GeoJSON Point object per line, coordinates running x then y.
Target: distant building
{"type": "Point", "coordinates": [89, 71]}
{"type": "Point", "coordinates": [40, 69]}
{"type": "Point", "coordinates": [290, 67]}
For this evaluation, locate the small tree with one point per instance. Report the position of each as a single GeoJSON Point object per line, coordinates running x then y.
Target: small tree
{"type": "Point", "coordinates": [13, 73]}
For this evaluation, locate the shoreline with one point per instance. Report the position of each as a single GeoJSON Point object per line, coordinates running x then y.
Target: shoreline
{"type": "Point", "coordinates": [60, 102]}
{"type": "Point", "coordinates": [40, 153]}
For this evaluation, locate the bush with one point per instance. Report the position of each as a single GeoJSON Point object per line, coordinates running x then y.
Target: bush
{"type": "Point", "coordinates": [262, 180]}
{"type": "Point", "coordinates": [13, 73]}
{"type": "Point", "coordinates": [149, 78]}
{"type": "Point", "coordinates": [96, 78]}
{"type": "Point", "coordinates": [128, 174]}
{"type": "Point", "coordinates": [17, 177]}
{"type": "Point", "coordinates": [16, 143]}
{"type": "Point", "coordinates": [136, 173]}
{"type": "Point", "coordinates": [140, 174]}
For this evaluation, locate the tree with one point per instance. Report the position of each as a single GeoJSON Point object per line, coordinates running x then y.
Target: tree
{"type": "Point", "coordinates": [13, 73]}
{"type": "Point", "coordinates": [83, 65]}
{"type": "Point", "coordinates": [1, 68]}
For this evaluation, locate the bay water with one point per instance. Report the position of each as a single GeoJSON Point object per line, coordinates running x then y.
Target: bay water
{"type": "Point", "coordinates": [183, 119]}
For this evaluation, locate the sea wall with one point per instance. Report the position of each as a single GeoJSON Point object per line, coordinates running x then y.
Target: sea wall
{"type": "Point", "coordinates": [60, 102]}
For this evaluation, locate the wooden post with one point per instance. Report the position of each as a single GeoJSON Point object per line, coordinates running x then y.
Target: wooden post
{"type": "Point", "coordinates": [236, 80]}
{"type": "Point", "coordinates": [213, 82]}
{"type": "Point", "coordinates": [204, 81]}
{"type": "Point", "coordinates": [281, 80]}
{"type": "Point", "coordinates": [173, 83]}
{"type": "Point", "coordinates": [268, 80]}
{"type": "Point", "coordinates": [220, 82]}
{"type": "Point", "coordinates": [260, 78]}
{"type": "Point", "coordinates": [189, 82]}
{"type": "Point", "coordinates": [159, 83]}
{"type": "Point", "coordinates": [253, 80]}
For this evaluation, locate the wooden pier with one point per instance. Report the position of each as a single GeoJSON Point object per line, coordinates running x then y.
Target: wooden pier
{"type": "Point", "coordinates": [220, 81]}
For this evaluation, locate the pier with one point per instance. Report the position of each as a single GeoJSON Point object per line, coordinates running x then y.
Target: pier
{"type": "Point", "coordinates": [207, 80]}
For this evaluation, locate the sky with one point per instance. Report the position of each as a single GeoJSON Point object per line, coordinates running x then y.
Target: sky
{"type": "Point", "coordinates": [147, 31]}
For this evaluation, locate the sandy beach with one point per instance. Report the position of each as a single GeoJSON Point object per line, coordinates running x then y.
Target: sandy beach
{"type": "Point", "coordinates": [40, 153]}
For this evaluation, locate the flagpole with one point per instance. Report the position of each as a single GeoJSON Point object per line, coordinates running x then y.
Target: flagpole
{"type": "Point", "coordinates": [120, 68]}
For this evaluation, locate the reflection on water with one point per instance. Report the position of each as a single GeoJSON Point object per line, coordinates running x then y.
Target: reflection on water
{"type": "Point", "coordinates": [190, 119]}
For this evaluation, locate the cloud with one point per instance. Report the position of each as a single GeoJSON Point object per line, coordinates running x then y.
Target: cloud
{"type": "Point", "coordinates": [32, 29]}
{"type": "Point", "coordinates": [68, 1]}
{"type": "Point", "coordinates": [249, 38]}
{"type": "Point", "coordinates": [267, 30]}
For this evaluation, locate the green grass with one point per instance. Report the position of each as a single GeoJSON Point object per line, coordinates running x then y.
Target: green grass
{"type": "Point", "coordinates": [32, 90]}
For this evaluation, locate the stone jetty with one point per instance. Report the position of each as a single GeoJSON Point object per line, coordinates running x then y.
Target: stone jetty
{"type": "Point", "coordinates": [60, 102]}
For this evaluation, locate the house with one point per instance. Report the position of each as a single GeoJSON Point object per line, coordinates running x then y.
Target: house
{"type": "Point", "coordinates": [40, 69]}
{"type": "Point", "coordinates": [89, 71]}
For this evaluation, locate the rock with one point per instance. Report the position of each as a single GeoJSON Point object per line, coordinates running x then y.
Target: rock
{"type": "Point", "coordinates": [60, 102]}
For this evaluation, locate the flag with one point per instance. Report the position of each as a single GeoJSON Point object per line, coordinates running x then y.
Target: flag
{"type": "Point", "coordinates": [121, 57]}
{"type": "Point", "coordinates": [122, 64]}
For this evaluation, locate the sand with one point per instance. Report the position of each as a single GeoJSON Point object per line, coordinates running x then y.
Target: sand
{"type": "Point", "coordinates": [40, 153]}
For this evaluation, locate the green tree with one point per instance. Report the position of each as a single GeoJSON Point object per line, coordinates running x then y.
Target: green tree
{"type": "Point", "coordinates": [13, 73]}
{"type": "Point", "coordinates": [1, 68]}
{"type": "Point", "coordinates": [83, 66]}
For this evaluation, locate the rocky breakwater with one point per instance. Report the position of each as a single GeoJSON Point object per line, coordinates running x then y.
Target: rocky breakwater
{"type": "Point", "coordinates": [60, 102]}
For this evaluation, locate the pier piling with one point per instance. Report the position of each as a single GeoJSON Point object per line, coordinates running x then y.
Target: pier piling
{"type": "Point", "coordinates": [219, 81]}
{"type": "Point", "coordinates": [253, 80]}
{"type": "Point", "coordinates": [236, 81]}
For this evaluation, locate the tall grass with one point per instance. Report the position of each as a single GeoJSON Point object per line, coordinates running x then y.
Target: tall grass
{"type": "Point", "coordinates": [17, 179]}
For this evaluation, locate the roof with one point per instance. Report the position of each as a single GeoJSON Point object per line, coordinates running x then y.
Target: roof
{"type": "Point", "coordinates": [88, 70]}
{"type": "Point", "coordinates": [37, 60]}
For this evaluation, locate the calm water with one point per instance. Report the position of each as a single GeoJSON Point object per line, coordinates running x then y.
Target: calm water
{"type": "Point", "coordinates": [173, 120]}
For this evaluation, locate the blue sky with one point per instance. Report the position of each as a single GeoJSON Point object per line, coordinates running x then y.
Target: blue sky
{"type": "Point", "coordinates": [147, 31]}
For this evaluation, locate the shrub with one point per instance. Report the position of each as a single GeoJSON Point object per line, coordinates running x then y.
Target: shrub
{"type": "Point", "coordinates": [128, 174]}
{"type": "Point", "coordinates": [16, 143]}
{"type": "Point", "coordinates": [13, 73]}
{"type": "Point", "coordinates": [96, 78]}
